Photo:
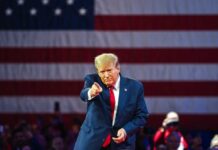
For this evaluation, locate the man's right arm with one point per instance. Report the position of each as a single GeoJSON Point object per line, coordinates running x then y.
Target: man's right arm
{"type": "Point", "coordinates": [95, 90]}
{"type": "Point", "coordinates": [90, 90]}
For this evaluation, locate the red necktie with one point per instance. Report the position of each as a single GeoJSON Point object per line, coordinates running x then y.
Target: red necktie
{"type": "Point", "coordinates": [112, 103]}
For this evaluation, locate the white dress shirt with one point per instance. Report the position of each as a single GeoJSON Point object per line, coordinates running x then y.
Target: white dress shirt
{"type": "Point", "coordinates": [116, 91]}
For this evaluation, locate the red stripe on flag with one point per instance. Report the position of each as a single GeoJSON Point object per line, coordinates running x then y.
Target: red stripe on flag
{"type": "Point", "coordinates": [59, 88]}
{"type": "Point", "coordinates": [181, 88]}
{"type": "Point", "coordinates": [77, 55]}
{"type": "Point", "coordinates": [69, 88]}
{"type": "Point", "coordinates": [157, 22]}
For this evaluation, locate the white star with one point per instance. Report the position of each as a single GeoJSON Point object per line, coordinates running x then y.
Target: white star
{"type": "Point", "coordinates": [8, 11]}
{"type": "Point", "coordinates": [45, 2]}
{"type": "Point", "coordinates": [70, 2]}
{"type": "Point", "coordinates": [82, 11]}
{"type": "Point", "coordinates": [58, 11]}
{"type": "Point", "coordinates": [20, 2]}
{"type": "Point", "coordinates": [33, 12]}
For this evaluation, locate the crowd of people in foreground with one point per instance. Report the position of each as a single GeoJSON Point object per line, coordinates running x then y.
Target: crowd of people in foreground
{"type": "Point", "coordinates": [55, 135]}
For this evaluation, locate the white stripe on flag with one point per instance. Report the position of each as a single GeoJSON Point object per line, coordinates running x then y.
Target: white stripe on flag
{"type": "Point", "coordinates": [35, 104]}
{"type": "Point", "coordinates": [169, 7]}
{"type": "Point", "coordinates": [108, 39]}
{"type": "Point", "coordinates": [144, 72]}
{"type": "Point", "coordinates": [183, 105]}
{"type": "Point", "coordinates": [156, 105]}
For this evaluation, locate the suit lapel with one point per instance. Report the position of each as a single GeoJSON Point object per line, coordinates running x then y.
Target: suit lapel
{"type": "Point", "coordinates": [122, 99]}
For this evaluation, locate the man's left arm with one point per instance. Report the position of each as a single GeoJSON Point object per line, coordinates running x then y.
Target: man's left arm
{"type": "Point", "coordinates": [140, 116]}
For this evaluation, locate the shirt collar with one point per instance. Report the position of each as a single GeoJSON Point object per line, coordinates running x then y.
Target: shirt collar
{"type": "Point", "coordinates": [117, 84]}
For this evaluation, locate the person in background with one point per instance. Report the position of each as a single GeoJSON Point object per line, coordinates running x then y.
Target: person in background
{"type": "Point", "coordinates": [196, 143]}
{"type": "Point", "coordinates": [73, 133]}
{"type": "Point", "coordinates": [173, 141]}
{"type": "Point", "coordinates": [214, 143]}
{"type": "Point", "coordinates": [57, 143]}
{"type": "Point", "coordinates": [170, 124]}
{"type": "Point", "coordinates": [116, 108]}
{"type": "Point", "coordinates": [144, 139]}
{"type": "Point", "coordinates": [22, 135]}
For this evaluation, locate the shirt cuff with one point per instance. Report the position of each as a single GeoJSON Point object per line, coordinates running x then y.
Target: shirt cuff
{"type": "Point", "coordinates": [89, 95]}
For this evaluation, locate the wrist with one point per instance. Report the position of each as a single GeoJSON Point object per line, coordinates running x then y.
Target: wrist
{"type": "Point", "coordinates": [162, 129]}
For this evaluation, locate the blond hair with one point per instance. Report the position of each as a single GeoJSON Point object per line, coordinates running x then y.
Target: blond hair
{"type": "Point", "coordinates": [106, 58]}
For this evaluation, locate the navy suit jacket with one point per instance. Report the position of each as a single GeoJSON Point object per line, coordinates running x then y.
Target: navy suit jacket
{"type": "Point", "coordinates": [131, 114]}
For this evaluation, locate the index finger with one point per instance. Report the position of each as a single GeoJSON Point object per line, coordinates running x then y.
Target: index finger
{"type": "Point", "coordinates": [96, 84]}
{"type": "Point", "coordinates": [117, 139]}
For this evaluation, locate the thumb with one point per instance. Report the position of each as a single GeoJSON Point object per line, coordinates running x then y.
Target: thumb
{"type": "Point", "coordinates": [164, 123]}
{"type": "Point", "coordinates": [119, 133]}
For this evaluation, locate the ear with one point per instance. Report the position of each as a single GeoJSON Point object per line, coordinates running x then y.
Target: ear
{"type": "Point", "coordinates": [117, 65]}
{"type": "Point", "coordinates": [118, 68]}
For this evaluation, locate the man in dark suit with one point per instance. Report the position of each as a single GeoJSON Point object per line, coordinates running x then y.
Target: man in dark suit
{"type": "Point", "coordinates": [116, 108]}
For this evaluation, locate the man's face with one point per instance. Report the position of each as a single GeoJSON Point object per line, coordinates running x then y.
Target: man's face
{"type": "Point", "coordinates": [108, 73]}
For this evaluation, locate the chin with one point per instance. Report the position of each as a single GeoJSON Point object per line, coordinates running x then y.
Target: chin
{"type": "Point", "coordinates": [108, 84]}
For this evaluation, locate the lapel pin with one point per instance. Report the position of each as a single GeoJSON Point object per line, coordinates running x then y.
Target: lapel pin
{"type": "Point", "coordinates": [125, 90]}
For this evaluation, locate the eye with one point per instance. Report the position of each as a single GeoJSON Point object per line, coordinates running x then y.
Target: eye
{"type": "Point", "coordinates": [109, 70]}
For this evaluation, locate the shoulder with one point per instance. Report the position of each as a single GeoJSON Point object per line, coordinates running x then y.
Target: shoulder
{"type": "Point", "coordinates": [131, 81]}
{"type": "Point", "coordinates": [93, 76]}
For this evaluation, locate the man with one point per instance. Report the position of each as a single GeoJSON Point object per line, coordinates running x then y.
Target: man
{"type": "Point", "coordinates": [116, 108]}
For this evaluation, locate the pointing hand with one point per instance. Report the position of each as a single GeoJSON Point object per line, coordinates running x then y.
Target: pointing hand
{"type": "Point", "coordinates": [96, 89]}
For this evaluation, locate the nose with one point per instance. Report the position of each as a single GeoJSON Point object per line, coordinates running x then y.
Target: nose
{"type": "Point", "coordinates": [106, 74]}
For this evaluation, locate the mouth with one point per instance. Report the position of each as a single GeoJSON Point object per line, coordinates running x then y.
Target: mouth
{"type": "Point", "coordinates": [107, 81]}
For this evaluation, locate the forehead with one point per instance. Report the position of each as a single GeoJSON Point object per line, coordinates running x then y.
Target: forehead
{"type": "Point", "coordinates": [106, 66]}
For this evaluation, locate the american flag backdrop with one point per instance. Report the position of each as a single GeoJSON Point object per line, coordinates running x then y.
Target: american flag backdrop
{"type": "Point", "coordinates": [48, 46]}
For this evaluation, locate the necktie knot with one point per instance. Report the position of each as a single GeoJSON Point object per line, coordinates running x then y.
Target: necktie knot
{"type": "Point", "coordinates": [111, 87]}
